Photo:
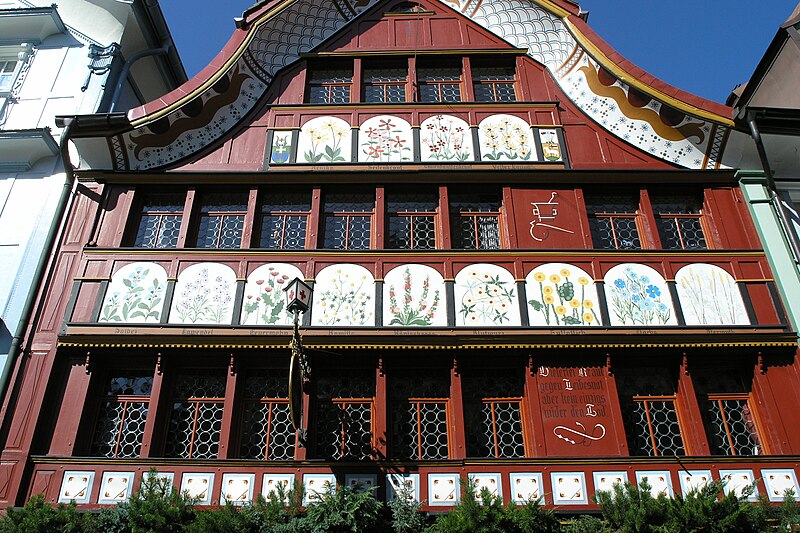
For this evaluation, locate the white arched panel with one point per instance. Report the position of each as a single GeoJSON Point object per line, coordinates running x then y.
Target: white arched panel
{"type": "Point", "coordinates": [637, 295]}
{"type": "Point", "coordinates": [486, 295]}
{"type": "Point", "coordinates": [344, 295]}
{"type": "Point", "coordinates": [506, 138]}
{"type": "Point", "coordinates": [135, 294]}
{"type": "Point", "coordinates": [264, 300]}
{"type": "Point", "coordinates": [561, 295]}
{"type": "Point", "coordinates": [385, 139]}
{"type": "Point", "coordinates": [445, 138]}
{"type": "Point", "coordinates": [414, 295]}
{"type": "Point", "coordinates": [324, 140]}
{"type": "Point", "coordinates": [709, 295]}
{"type": "Point", "coordinates": [204, 294]}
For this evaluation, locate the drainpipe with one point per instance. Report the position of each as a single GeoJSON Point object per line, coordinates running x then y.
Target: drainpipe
{"type": "Point", "coordinates": [53, 235]}
{"type": "Point", "coordinates": [774, 199]}
{"type": "Point", "coordinates": [123, 76]}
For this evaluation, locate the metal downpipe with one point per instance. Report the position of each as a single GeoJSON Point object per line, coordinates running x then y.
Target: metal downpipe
{"type": "Point", "coordinates": [123, 75]}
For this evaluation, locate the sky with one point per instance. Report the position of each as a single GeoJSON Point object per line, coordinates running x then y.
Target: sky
{"type": "Point", "coordinates": [705, 47]}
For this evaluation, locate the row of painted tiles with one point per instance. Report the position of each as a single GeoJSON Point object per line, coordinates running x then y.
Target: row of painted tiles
{"type": "Point", "coordinates": [557, 294]}
{"type": "Point", "coordinates": [568, 488]}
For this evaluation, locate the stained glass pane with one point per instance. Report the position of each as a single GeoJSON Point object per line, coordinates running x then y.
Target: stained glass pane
{"type": "Point", "coordinates": [733, 429]}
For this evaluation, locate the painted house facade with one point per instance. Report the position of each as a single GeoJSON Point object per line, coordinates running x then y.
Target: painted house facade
{"type": "Point", "coordinates": [531, 266]}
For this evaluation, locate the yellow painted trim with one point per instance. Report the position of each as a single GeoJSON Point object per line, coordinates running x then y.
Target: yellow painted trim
{"type": "Point", "coordinates": [754, 280]}
{"type": "Point", "coordinates": [550, 6]}
{"type": "Point", "coordinates": [634, 82]}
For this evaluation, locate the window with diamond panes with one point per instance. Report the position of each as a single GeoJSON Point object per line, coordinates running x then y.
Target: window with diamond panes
{"type": "Point", "coordinates": [160, 221]}
{"type": "Point", "coordinates": [330, 85]}
{"type": "Point", "coordinates": [266, 432]}
{"type": "Point", "coordinates": [344, 414]}
{"type": "Point", "coordinates": [222, 220]}
{"type": "Point", "coordinates": [613, 220]}
{"type": "Point", "coordinates": [475, 220]}
{"type": "Point", "coordinates": [493, 412]}
{"type": "Point", "coordinates": [493, 83]}
{"type": "Point", "coordinates": [196, 416]}
{"type": "Point", "coordinates": [385, 83]}
{"type": "Point", "coordinates": [678, 218]}
{"type": "Point", "coordinates": [284, 220]}
{"type": "Point", "coordinates": [348, 220]}
{"type": "Point", "coordinates": [412, 220]}
{"type": "Point", "coordinates": [419, 414]}
{"type": "Point", "coordinates": [441, 83]}
{"type": "Point", "coordinates": [122, 415]}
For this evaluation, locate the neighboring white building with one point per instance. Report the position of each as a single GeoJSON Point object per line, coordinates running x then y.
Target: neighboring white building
{"type": "Point", "coordinates": [63, 60]}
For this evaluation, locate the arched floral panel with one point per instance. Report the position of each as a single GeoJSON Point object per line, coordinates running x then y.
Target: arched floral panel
{"type": "Point", "coordinates": [709, 295]}
{"type": "Point", "coordinates": [135, 294]}
{"type": "Point", "coordinates": [486, 295]}
{"type": "Point", "coordinates": [204, 294]}
{"type": "Point", "coordinates": [385, 139]}
{"type": "Point", "coordinates": [264, 301]}
{"type": "Point", "coordinates": [561, 295]}
{"type": "Point", "coordinates": [414, 295]}
{"type": "Point", "coordinates": [506, 138]}
{"type": "Point", "coordinates": [445, 138]}
{"type": "Point", "coordinates": [344, 295]}
{"type": "Point", "coordinates": [324, 140]}
{"type": "Point", "coordinates": [637, 295]}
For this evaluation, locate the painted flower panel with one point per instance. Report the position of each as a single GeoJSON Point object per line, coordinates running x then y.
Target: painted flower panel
{"type": "Point", "coordinates": [135, 294]}
{"type": "Point", "coordinates": [506, 138]}
{"type": "Point", "coordinates": [264, 299]}
{"type": "Point", "coordinates": [638, 296]}
{"type": "Point", "coordinates": [414, 295]}
{"type": "Point", "coordinates": [562, 295]}
{"type": "Point", "coordinates": [709, 295]}
{"type": "Point", "coordinates": [445, 138]}
{"type": "Point", "coordinates": [281, 147]}
{"type": "Point", "coordinates": [486, 295]}
{"type": "Point", "coordinates": [385, 139]}
{"type": "Point", "coordinates": [344, 295]}
{"type": "Point", "coordinates": [204, 294]}
{"type": "Point", "coordinates": [324, 140]}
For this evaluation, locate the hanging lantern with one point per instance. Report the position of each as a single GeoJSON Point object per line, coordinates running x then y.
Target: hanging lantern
{"type": "Point", "coordinates": [298, 296]}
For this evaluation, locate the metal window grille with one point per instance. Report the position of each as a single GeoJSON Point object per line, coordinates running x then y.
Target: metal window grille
{"type": "Point", "coordinates": [732, 425]}
{"type": "Point", "coordinates": [284, 221]}
{"type": "Point", "coordinates": [196, 417]}
{"type": "Point", "coordinates": [613, 222]}
{"type": "Point", "coordinates": [222, 220]}
{"type": "Point", "coordinates": [412, 221]}
{"type": "Point", "coordinates": [475, 222]}
{"type": "Point", "coordinates": [419, 416]}
{"type": "Point", "coordinates": [679, 221]}
{"type": "Point", "coordinates": [348, 220]}
{"type": "Point", "coordinates": [653, 427]}
{"type": "Point", "coordinates": [266, 431]}
{"type": "Point", "coordinates": [345, 414]}
{"type": "Point", "coordinates": [160, 221]}
{"type": "Point", "coordinates": [493, 84]}
{"type": "Point", "coordinates": [122, 416]}
{"type": "Point", "coordinates": [330, 86]}
{"type": "Point", "coordinates": [439, 84]}
{"type": "Point", "coordinates": [387, 85]}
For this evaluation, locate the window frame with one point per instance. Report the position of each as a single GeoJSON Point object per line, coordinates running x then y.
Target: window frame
{"type": "Point", "coordinates": [261, 214]}
{"type": "Point", "coordinates": [729, 441]}
{"type": "Point", "coordinates": [411, 215]}
{"type": "Point", "coordinates": [495, 435]}
{"type": "Point", "coordinates": [325, 214]}
{"type": "Point", "coordinates": [612, 216]}
{"type": "Point", "coordinates": [365, 68]}
{"type": "Point", "coordinates": [653, 435]}
{"type": "Point", "coordinates": [140, 212]}
{"type": "Point", "coordinates": [429, 82]}
{"type": "Point", "coordinates": [456, 216]}
{"type": "Point", "coordinates": [673, 218]}
{"type": "Point", "coordinates": [477, 65]}
{"type": "Point", "coordinates": [121, 425]}
{"type": "Point", "coordinates": [199, 215]}
{"type": "Point", "coordinates": [329, 86]}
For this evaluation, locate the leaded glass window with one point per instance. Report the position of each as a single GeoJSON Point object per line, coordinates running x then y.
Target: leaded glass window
{"type": "Point", "coordinates": [419, 415]}
{"type": "Point", "coordinates": [266, 431]}
{"type": "Point", "coordinates": [493, 83]}
{"type": "Point", "coordinates": [284, 220]}
{"type": "Point", "coordinates": [386, 84]}
{"type": "Point", "coordinates": [493, 412]}
{"type": "Point", "coordinates": [160, 221]}
{"type": "Point", "coordinates": [348, 220]}
{"type": "Point", "coordinates": [412, 220]}
{"type": "Point", "coordinates": [344, 422]}
{"type": "Point", "coordinates": [678, 218]}
{"type": "Point", "coordinates": [330, 85]}
{"type": "Point", "coordinates": [122, 416]}
{"type": "Point", "coordinates": [475, 220]}
{"type": "Point", "coordinates": [613, 220]}
{"type": "Point", "coordinates": [732, 426]}
{"type": "Point", "coordinates": [439, 83]}
{"type": "Point", "coordinates": [222, 220]}
{"type": "Point", "coordinates": [196, 417]}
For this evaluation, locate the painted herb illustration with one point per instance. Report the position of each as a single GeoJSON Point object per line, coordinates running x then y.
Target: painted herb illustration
{"type": "Point", "coordinates": [326, 142]}
{"type": "Point", "coordinates": [385, 141]}
{"type": "Point", "coordinates": [709, 296]}
{"type": "Point", "coordinates": [203, 300]}
{"type": "Point", "coordinates": [281, 146]}
{"type": "Point", "coordinates": [343, 302]}
{"type": "Point", "coordinates": [409, 313]}
{"type": "Point", "coordinates": [488, 299]}
{"type": "Point", "coordinates": [506, 139]}
{"type": "Point", "coordinates": [636, 300]}
{"type": "Point", "coordinates": [561, 303]}
{"type": "Point", "coordinates": [446, 139]}
{"type": "Point", "coordinates": [266, 305]}
{"type": "Point", "coordinates": [140, 300]}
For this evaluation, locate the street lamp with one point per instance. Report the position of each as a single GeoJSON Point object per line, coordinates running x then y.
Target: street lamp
{"type": "Point", "coordinates": [298, 297]}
